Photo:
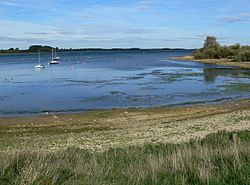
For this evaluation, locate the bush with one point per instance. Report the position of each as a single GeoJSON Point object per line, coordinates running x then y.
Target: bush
{"type": "Point", "coordinates": [198, 54]}
{"type": "Point", "coordinates": [225, 52]}
{"type": "Point", "coordinates": [242, 56]}
{"type": "Point", "coordinates": [212, 50]}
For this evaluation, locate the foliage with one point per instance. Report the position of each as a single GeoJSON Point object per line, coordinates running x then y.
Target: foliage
{"type": "Point", "coordinates": [41, 48]}
{"type": "Point", "coordinates": [243, 55]}
{"type": "Point", "coordinates": [212, 50]}
{"type": "Point", "coordinates": [211, 42]}
{"type": "Point", "coordinates": [221, 158]}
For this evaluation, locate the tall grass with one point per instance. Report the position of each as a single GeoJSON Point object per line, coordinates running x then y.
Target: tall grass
{"type": "Point", "coordinates": [222, 158]}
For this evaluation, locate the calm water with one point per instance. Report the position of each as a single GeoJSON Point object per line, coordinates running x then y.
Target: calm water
{"type": "Point", "coordinates": [114, 79]}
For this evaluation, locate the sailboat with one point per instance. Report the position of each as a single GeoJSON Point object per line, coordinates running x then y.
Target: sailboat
{"type": "Point", "coordinates": [39, 66]}
{"type": "Point", "coordinates": [56, 57]}
{"type": "Point", "coordinates": [54, 60]}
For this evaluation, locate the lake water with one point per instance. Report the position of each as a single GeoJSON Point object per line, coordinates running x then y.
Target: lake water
{"type": "Point", "coordinates": [88, 80]}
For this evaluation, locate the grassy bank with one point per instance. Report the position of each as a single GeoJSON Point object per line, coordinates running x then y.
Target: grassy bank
{"type": "Point", "coordinates": [223, 61]}
{"type": "Point", "coordinates": [221, 158]}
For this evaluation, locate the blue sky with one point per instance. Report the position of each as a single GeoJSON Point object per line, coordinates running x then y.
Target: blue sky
{"type": "Point", "coordinates": [120, 23]}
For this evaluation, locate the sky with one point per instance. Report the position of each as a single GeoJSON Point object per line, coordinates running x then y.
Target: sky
{"type": "Point", "coordinates": [123, 23]}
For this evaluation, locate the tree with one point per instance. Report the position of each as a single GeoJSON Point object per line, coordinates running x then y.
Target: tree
{"type": "Point", "coordinates": [212, 50]}
{"type": "Point", "coordinates": [235, 46]}
{"type": "Point", "coordinates": [35, 48]}
{"type": "Point", "coordinates": [211, 42]}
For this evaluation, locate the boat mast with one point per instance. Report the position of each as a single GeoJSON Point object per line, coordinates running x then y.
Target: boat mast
{"type": "Point", "coordinates": [52, 54]}
{"type": "Point", "coordinates": [39, 58]}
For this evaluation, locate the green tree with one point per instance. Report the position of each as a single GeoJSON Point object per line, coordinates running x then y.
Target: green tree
{"type": "Point", "coordinates": [211, 42]}
{"type": "Point", "coordinates": [35, 48]}
{"type": "Point", "coordinates": [235, 46]}
{"type": "Point", "coordinates": [212, 50]}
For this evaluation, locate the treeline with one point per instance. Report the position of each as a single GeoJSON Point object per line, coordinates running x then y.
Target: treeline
{"type": "Point", "coordinates": [33, 48]}
{"type": "Point", "coordinates": [36, 48]}
{"type": "Point", "coordinates": [213, 50]}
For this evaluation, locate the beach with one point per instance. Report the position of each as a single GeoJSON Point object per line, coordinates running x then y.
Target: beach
{"type": "Point", "coordinates": [105, 129]}
{"type": "Point", "coordinates": [223, 62]}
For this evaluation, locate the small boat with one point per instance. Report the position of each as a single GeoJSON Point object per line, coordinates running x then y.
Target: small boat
{"type": "Point", "coordinates": [56, 57]}
{"type": "Point", "coordinates": [54, 60]}
{"type": "Point", "coordinates": [39, 66]}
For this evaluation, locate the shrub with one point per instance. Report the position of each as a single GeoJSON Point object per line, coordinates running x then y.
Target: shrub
{"type": "Point", "coordinates": [242, 56]}
{"type": "Point", "coordinates": [212, 50]}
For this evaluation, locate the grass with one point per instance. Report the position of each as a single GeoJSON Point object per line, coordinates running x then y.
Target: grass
{"type": "Point", "coordinates": [221, 158]}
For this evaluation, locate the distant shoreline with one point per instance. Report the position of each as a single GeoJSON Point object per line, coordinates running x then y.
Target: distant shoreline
{"type": "Point", "coordinates": [223, 62]}
{"type": "Point", "coordinates": [6, 52]}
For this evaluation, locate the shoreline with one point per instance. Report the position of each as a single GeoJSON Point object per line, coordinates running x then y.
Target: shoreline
{"type": "Point", "coordinates": [77, 112]}
{"type": "Point", "coordinates": [105, 129]}
{"type": "Point", "coordinates": [223, 62]}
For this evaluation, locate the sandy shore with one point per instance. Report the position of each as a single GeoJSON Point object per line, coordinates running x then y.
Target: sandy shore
{"type": "Point", "coordinates": [101, 130]}
{"type": "Point", "coordinates": [223, 62]}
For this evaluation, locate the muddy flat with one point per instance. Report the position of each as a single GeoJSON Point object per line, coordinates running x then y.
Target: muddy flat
{"type": "Point", "coordinates": [101, 130]}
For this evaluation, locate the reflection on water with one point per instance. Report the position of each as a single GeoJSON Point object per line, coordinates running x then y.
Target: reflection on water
{"type": "Point", "coordinates": [210, 74]}
{"type": "Point", "coordinates": [117, 79]}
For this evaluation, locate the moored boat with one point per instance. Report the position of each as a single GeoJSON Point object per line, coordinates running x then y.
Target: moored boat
{"type": "Point", "coordinates": [39, 66]}
{"type": "Point", "coordinates": [54, 60]}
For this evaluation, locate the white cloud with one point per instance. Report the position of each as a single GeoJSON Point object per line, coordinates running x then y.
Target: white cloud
{"type": "Point", "coordinates": [237, 18]}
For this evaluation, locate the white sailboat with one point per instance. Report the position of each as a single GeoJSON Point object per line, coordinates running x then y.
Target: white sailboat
{"type": "Point", "coordinates": [56, 57]}
{"type": "Point", "coordinates": [39, 66]}
{"type": "Point", "coordinates": [54, 60]}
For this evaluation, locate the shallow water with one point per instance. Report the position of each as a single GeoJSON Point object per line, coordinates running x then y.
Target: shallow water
{"type": "Point", "coordinates": [89, 80]}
